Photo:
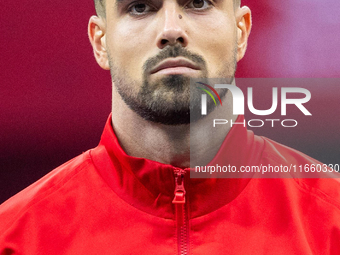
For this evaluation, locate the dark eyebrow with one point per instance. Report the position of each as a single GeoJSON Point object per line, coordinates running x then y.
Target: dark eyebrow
{"type": "Point", "coordinates": [119, 2]}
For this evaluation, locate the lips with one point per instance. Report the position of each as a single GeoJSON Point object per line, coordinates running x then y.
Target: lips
{"type": "Point", "coordinates": [174, 63]}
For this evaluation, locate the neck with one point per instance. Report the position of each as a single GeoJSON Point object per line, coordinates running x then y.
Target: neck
{"type": "Point", "coordinates": [174, 145]}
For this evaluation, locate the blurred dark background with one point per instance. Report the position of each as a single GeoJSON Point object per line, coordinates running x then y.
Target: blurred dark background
{"type": "Point", "coordinates": [55, 99]}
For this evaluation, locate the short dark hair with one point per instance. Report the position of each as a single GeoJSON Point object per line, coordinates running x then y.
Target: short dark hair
{"type": "Point", "coordinates": [100, 6]}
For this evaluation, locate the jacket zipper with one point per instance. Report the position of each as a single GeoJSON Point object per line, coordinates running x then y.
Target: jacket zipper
{"type": "Point", "coordinates": [181, 215]}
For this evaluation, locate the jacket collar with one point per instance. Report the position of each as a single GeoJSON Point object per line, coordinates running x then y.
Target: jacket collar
{"type": "Point", "coordinates": [149, 185]}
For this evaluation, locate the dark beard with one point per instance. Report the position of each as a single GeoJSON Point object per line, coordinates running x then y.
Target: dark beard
{"type": "Point", "coordinates": [154, 108]}
{"type": "Point", "coordinates": [171, 101]}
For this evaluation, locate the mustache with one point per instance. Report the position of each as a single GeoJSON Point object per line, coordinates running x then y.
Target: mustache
{"type": "Point", "coordinates": [173, 52]}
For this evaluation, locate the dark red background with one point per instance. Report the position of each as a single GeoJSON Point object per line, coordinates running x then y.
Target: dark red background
{"type": "Point", "coordinates": [55, 99]}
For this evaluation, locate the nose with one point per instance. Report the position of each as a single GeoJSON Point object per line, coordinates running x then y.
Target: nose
{"type": "Point", "coordinates": [172, 31]}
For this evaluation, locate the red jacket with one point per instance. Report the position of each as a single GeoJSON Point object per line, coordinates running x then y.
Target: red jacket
{"type": "Point", "coordinates": [106, 202]}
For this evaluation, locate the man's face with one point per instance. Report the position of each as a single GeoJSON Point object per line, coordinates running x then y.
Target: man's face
{"type": "Point", "coordinates": [155, 46]}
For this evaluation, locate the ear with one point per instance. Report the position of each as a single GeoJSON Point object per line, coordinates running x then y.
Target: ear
{"type": "Point", "coordinates": [97, 36]}
{"type": "Point", "coordinates": [243, 20]}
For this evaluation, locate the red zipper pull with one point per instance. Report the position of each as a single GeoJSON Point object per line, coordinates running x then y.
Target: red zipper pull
{"type": "Point", "coordinates": [179, 199]}
{"type": "Point", "coordinates": [179, 189]}
{"type": "Point", "coordinates": [181, 214]}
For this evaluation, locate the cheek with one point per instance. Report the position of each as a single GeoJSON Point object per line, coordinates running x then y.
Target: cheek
{"type": "Point", "coordinates": [217, 46]}
{"type": "Point", "coordinates": [214, 35]}
{"type": "Point", "coordinates": [128, 48]}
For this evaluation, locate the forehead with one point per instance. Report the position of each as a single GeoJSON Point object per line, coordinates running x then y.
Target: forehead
{"type": "Point", "coordinates": [120, 10]}
{"type": "Point", "coordinates": [115, 4]}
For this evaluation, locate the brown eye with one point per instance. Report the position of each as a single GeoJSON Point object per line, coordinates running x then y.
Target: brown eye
{"type": "Point", "coordinates": [198, 3]}
{"type": "Point", "coordinates": [140, 8]}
